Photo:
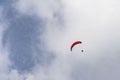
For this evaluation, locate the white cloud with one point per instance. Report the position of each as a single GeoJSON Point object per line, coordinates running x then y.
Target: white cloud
{"type": "Point", "coordinates": [96, 23]}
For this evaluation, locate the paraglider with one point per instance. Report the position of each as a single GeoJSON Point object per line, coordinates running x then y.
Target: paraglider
{"type": "Point", "coordinates": [82, 50]}
{"type": "Point", "coordinates": [74, 44]}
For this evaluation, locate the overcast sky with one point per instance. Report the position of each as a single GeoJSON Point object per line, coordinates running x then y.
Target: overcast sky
{"type": "Point", "coordinates": [36, 35]}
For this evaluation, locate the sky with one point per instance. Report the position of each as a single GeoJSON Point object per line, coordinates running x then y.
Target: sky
{"type": "Point", "coordinates": [36, 35]}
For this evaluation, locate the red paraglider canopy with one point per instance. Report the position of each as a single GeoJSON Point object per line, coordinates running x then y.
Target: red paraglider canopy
{"type": "Point", "coordinates": [75, 43]}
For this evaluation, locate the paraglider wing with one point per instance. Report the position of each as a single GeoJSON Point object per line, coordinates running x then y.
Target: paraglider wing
{"type": "Point", "coordinates": [75, 43]}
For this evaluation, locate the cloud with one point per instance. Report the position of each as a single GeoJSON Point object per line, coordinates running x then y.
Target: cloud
{"type": "Point", "coordinates": [96, 23]}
